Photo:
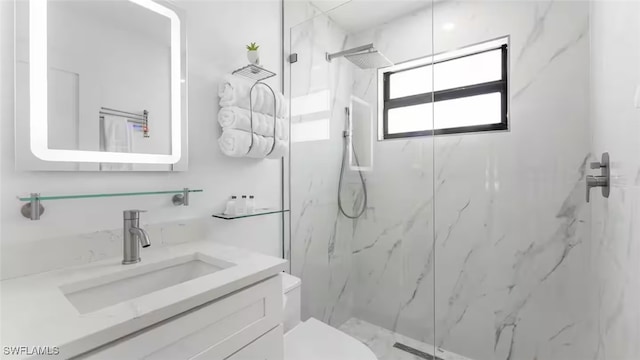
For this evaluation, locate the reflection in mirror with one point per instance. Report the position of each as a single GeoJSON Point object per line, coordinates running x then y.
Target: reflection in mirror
{"type": "Point", "coordinates": [109, 83]}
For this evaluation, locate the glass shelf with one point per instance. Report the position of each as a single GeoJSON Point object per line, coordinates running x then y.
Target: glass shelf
{"type": "Point", "coordinates": [258, 212]}
{"type": "Point", "coordinates": [88, 196]}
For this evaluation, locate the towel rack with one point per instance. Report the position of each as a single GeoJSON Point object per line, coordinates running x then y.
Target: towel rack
{"type": "Point", "coordinates": [142, 119]}
{"type": "Point", "coordinates": [258, 74]}
{"type": "Point", "coordinates": [275, 116]}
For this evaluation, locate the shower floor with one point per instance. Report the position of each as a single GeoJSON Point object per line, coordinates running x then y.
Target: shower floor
{"type": "Point", "coordinates": [381, 341]}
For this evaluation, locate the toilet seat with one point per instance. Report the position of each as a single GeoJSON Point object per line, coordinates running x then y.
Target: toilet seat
{"type": "Point", "coordinates": [315, 340]}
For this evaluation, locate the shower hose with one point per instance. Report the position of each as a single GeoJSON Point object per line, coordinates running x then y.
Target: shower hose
{"type": "Point", "coordinates": [342, 170]}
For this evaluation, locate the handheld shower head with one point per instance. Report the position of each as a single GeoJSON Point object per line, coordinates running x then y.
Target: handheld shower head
{"type": "Point", "coordinates": [347, 122]}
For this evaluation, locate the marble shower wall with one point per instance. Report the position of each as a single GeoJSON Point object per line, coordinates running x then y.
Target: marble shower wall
{"type": "Point", "coordinates": [615, 54]}
{"type": "Point", "coordinates": [518, 270]}
{"type": "Point", "coordinates": [320, 238]}
{"type": "Point", "coordinates": [512, 234]}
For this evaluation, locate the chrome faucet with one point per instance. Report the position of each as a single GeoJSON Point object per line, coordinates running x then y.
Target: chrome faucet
{"type": "Point", "coordinates": [134, 236]}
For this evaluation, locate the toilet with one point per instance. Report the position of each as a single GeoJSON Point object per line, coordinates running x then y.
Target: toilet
{"type": "Point", "coordinates": [313, 339]}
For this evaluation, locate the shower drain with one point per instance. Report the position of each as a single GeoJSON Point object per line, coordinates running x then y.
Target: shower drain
{"type": "Point", "coordinates": [414, 351]}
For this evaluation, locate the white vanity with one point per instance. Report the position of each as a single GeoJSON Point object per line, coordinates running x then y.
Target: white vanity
{"type": "Point", "coordinates": [198, 300]}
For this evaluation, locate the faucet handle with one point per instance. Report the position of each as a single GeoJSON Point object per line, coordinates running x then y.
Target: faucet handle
{"type": "Point", "coordinates": [597, 165]}
{"type": "Point", "coordinates": [132, 214]}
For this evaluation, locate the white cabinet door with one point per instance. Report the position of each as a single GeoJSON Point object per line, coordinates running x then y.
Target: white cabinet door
{"type": "Point", "coordinates": [220, 327]}
{"type": "Point", "coordinates": [267, 347]}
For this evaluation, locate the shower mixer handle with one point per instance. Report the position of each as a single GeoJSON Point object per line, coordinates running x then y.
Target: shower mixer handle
{"type": "Point", "coordinates": [603, 180]}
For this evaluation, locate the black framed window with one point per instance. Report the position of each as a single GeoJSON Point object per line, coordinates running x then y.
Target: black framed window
{"type": "Point", "coordinates": [466, 92]}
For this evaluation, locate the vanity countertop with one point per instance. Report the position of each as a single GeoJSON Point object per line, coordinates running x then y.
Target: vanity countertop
{"type": "Point", "coordinates": [36, 312]}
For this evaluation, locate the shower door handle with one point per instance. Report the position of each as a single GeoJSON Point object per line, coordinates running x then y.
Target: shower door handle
{"type": "Point", "coordinates": [603, 180]}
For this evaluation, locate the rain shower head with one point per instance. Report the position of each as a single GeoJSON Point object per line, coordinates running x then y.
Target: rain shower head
{"type": "Point", "coordinates": [364, 57]}
{"type": "Point", "coordinates": [372, 59]}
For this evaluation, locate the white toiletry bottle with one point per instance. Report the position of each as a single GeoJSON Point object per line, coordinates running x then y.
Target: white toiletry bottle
{"type": "Point", "coordinates": [251, 205]}
{"type": "Point", "coordinates": [241, 205]}
{"type": "Point", "coordinates": [231, 206]}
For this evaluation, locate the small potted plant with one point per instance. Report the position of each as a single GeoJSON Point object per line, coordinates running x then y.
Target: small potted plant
{"type": "Point", "coordinates": [252, 53]}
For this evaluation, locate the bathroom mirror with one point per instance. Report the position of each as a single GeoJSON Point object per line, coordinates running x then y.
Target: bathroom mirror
{"type": "Point", "coordinates": [100, 86]}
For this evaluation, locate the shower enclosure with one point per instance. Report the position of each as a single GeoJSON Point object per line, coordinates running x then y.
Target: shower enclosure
{"type": "Point", "coordinates": [437, 175]}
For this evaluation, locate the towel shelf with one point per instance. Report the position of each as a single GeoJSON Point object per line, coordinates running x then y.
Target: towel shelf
{"type": "Point", "coordinates": [34, 208]}
{"type": "Point", "coordinates": [254, 72]}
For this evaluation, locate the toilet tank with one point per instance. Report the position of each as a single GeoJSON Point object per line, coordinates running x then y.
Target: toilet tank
{"type": "Point", "coordinates": [290, 300]}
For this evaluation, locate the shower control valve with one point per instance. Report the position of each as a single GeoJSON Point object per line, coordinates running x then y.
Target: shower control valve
{"type": "Point", "coordinates": [603, 180]}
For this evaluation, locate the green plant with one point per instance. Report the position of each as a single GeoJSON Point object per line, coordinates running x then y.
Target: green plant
{"type": "Point", "coordinates": [252, 47]}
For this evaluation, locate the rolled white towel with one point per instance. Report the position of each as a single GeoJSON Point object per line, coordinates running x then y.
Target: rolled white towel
{"type": "Point", "coordinates": [281, 149]}
{"type": "Point", "coordinates": [236, 118]}
{"type": "Point", "coordinates": [234, 91]}
{"type": "Point", "coordinates": [236, 143]}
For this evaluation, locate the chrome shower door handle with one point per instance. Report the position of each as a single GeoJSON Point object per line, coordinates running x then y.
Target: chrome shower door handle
{"type": "Point", "coordinates": [603, 180]}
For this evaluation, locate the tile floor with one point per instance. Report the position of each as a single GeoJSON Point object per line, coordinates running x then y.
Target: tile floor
{"type": "Point", "coordinates": [381, 341]}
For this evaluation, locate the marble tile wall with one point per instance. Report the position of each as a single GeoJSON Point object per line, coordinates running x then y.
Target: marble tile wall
{"type": "Point", "coordinates": [511, 230]}
{"type": "Point", "coordinates": [615, 260]}
{"type": "Point", "coordinates": [510, 274]}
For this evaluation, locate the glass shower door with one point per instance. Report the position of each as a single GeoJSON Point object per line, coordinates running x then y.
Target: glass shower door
{"type": "Point", "coordinates": [361, 203]}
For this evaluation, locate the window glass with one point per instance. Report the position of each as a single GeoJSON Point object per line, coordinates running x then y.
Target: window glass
{"type": "Point", "coordinates": [469, 70]}
{"type": "Point", "coordinates": [468, 111]}
{"type": "Point", "coordinates": [410, 82]}
{"type": "Point", "coordinates": [465, 92]}
{"type": "Point", "coordinates": [410, 118]}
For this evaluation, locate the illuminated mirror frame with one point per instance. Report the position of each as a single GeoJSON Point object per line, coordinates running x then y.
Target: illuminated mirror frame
{"type": "Point", "coordinates": [38, 68]}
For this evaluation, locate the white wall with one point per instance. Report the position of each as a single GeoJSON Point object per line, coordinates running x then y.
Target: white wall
{"type": "Point", "coordinates": [615, 70]}
{"type": "Point", "coordinates": [217, 33]}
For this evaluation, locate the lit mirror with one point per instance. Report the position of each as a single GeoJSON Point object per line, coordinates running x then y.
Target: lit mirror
{"type": "Point", "coordinates": [99, 86]}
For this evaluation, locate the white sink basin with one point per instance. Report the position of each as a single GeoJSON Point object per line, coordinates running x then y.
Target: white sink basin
{"type": "Point", "coordinates": [95, 294]}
